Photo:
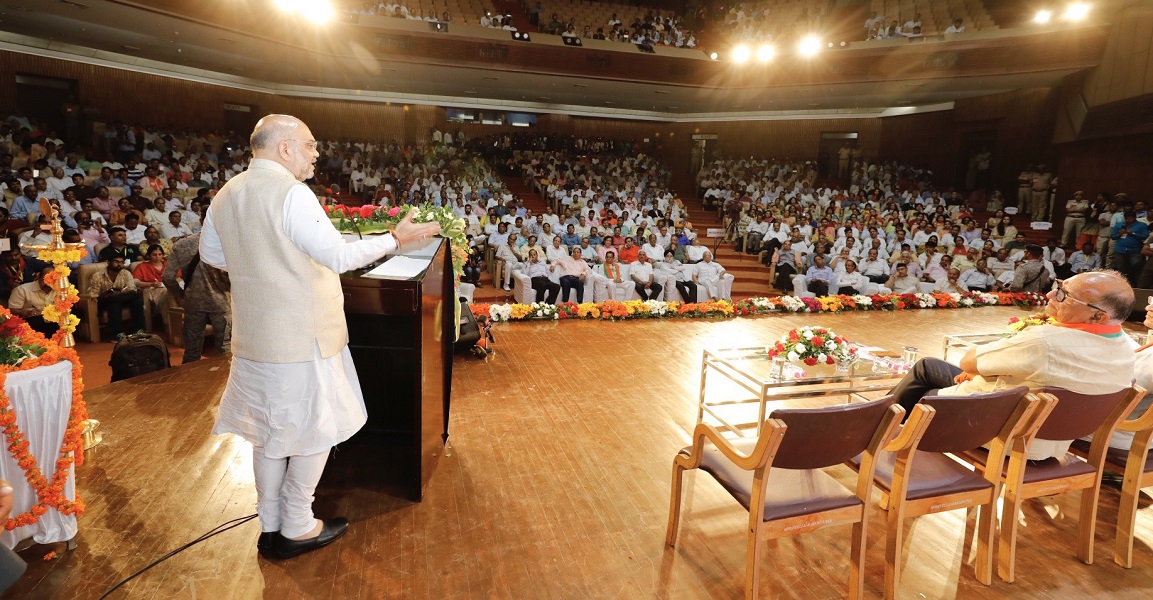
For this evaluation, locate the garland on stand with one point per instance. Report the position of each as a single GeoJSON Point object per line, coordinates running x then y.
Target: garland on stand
{"type": "Point", "coordinates": [60, 310]}
{"type": "Point", "coordinates": [38, 351]}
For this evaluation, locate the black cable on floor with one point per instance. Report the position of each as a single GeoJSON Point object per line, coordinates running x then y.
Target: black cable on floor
{"type": "Point", "coordinates": [225, 526]}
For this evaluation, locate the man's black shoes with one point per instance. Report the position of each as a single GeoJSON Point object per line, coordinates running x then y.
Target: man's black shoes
{"type": "Point", "coordinates": [283, 547]}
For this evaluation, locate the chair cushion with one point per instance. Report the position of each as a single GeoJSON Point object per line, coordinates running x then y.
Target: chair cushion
{"type": "Point", "coordinates": [1041, 470]}
{"type": "Point", "coordinates": [789, 492]}
{"type": "Point", "coordinates": [934, 474]}
{"type": "Point", "coordinates": [1116, 456]}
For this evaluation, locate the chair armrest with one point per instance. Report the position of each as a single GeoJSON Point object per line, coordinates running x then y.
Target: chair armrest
{"type": "Point", "coordinates": [1141, 423]}
{"type": "Point", "coordinates": [914, 427]}
{"type": "Point", "coordinates": [771, 434]}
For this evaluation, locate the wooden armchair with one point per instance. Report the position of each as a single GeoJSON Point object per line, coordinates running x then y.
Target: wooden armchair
{"type": "Point", "coordinates": [1073, 416]}
{"type": "Point", "coordinates": [917, 478]}
{"type": "Point", "coordinates": [1136, 467]}
{"type": "Point", "coordinates": [802, 497]}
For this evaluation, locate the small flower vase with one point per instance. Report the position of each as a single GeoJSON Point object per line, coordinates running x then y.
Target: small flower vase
{"type": "Point", "coordinates": [818, 370]}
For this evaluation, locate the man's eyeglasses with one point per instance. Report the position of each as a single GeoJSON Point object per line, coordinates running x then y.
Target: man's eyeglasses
{"type": "Point", "coordinates": [1060, 295]}
{"type": "Point", "coordinates": [310, 145]}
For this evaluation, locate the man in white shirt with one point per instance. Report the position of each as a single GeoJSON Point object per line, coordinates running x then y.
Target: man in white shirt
{"type": "Point", "coordinates": [284, 403]}
{"type": "Point", "coordinates": [556, 251]}
{"type": "Point", "coordinates": [873, 268]}
{"type": "Point", "coordinates": [510, 258]}
{"type": "Point", "coordinates": [957, 26]}
{"type": "Point", "coordinates": [708, 274]}
{"type": "Point", "coordinates": [642, 273]}
{"type": "Point", "coordinates": [133, 230]}
{"type": "Point", "coordinates": [1085, 352]}
{"type": "Point", "coordinates": [652, 247]}
{"type": "Point", "coordinates": [174, 229]}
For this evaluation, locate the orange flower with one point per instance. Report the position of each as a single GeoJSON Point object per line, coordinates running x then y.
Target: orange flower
{"type": "Point", "coordinates": [50, 495]}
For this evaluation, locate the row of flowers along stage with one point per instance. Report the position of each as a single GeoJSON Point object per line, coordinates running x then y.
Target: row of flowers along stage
{"type": "Point", "coordinates": [613, 310]}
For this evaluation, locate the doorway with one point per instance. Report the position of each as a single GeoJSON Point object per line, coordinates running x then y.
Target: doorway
{"type": "Point", "coordinates": [47, 99]}
{"type": "Point", "coordinates": [835, 154]}
{"type": "Point", "coordinates": [239, 118]}
{"type": "Point", "coordinates": [975, 161]}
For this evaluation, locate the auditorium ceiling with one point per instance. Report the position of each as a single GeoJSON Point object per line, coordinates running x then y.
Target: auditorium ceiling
{"type": "Point", "coordinates": [245, 43]}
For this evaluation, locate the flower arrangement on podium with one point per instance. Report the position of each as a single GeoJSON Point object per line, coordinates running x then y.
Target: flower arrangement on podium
{"type": "Point", "coordinates": [812, 346]}
{"type": "Point", "coordinates": [23, 349]}
{"type": "Point", "coordinates": [369, 219]}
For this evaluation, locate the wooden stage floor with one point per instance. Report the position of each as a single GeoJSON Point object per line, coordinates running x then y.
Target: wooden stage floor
{"type": "Point", "coordinates": [556, 486]}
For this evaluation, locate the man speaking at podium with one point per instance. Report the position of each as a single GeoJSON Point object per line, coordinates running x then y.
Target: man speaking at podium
{"type": "Point", "coordinates": [292, 390]}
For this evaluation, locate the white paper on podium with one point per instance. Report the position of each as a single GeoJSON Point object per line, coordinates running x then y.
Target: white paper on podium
{"type": "Point", "coordinates": [422, 249]}
{"type": "Point", "coordinates": [400, 267]}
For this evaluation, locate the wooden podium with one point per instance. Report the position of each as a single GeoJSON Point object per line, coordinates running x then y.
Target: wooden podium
{"type": "Point", "coordinates": [400, 333]}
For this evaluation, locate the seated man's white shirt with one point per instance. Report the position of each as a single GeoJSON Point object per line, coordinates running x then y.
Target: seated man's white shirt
{"type": "Point", "coordinates": [1143, 371]}
{"type": "Point", "coordinates": [553, 254]}
{"type": "Point", "coordinates": [653, 252]}
{"type": "Point", "coordinates": [170, 231]}
{"type": "Point", "coordinates": [641, 271]}
{"type": "Point", "coordinates": [136, 236]}
{"type": "Point", "coordinates": [1056, 356]}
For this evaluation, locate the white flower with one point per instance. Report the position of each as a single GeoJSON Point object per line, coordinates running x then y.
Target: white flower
{"type": "Point", "coordinates": [830, 345]}
{"type": "Point", "coordinates": [801, 347]}
{"type": "Point", "coordinates": [500, 312]}
{"type": "Point", "coordinates": [807, 334]}
{"type": "Point", "coordinates": [792, 355]}
{"type": "Point", "coordinates": [822, 357]}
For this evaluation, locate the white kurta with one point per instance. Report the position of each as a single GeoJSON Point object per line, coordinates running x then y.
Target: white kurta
{"type": "Point", "coordinates": [294, 409]}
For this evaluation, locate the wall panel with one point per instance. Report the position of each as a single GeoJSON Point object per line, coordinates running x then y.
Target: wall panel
{"type": "Point", "coordinates": [1112, 165]}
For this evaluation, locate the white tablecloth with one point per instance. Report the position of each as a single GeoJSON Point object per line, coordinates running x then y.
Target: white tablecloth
{"type": "Point", "coordinates": [42, 398]}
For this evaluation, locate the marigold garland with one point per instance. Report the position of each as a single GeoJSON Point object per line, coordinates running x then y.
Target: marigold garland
{"type": "Point", "coordinates": [49, 492]}
{"type": "Point", "coordinates": [61, 306]}
{"type": "Point", "coordinates": [613, 310]}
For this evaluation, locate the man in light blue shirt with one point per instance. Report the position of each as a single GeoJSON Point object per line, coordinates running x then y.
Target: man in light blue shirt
{"type": "Point", "coordinates": [819, 276]}
{"type": "Point", "coordinates": [570, 238]}
{"type": "Point", "coordinates": [23, 205]}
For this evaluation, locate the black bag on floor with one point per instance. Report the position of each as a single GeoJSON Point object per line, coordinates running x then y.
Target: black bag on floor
{"type": "Point", "coordinates": [138, 354]}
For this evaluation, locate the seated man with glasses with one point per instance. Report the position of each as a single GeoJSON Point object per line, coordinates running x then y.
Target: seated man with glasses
{"type": "Point", "coordinates": [1085, 352]}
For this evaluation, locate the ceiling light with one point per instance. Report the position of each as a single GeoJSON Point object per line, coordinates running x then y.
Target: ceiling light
{"type": "Point", "coordinates": [809, 46]}
{"type": "Point", "coordinates": [741, 53]}
{"type": "Point", "coordinates": [713, 56]}
{"type": "Point", "coordinates": [765, 53]}
{"type": "Point", "coordinates": [1076, 11]}
{"type": "Point", "coordinates": [1043, 17]}
{"type": "Point", "coordinates": [317, 11]}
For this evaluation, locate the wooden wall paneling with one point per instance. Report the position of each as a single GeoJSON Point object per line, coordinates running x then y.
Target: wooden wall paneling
{"type": "Point", "coordinates": [921, 139]}
{"type": "Point", "coordinates": [1107, 165]}
{"type": "Point", "coordinates": [1023, 121]}
{"type": "Point", "coordinates": [1126, 67]}
{"type": "Point", "coordinates": [787, 139]}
